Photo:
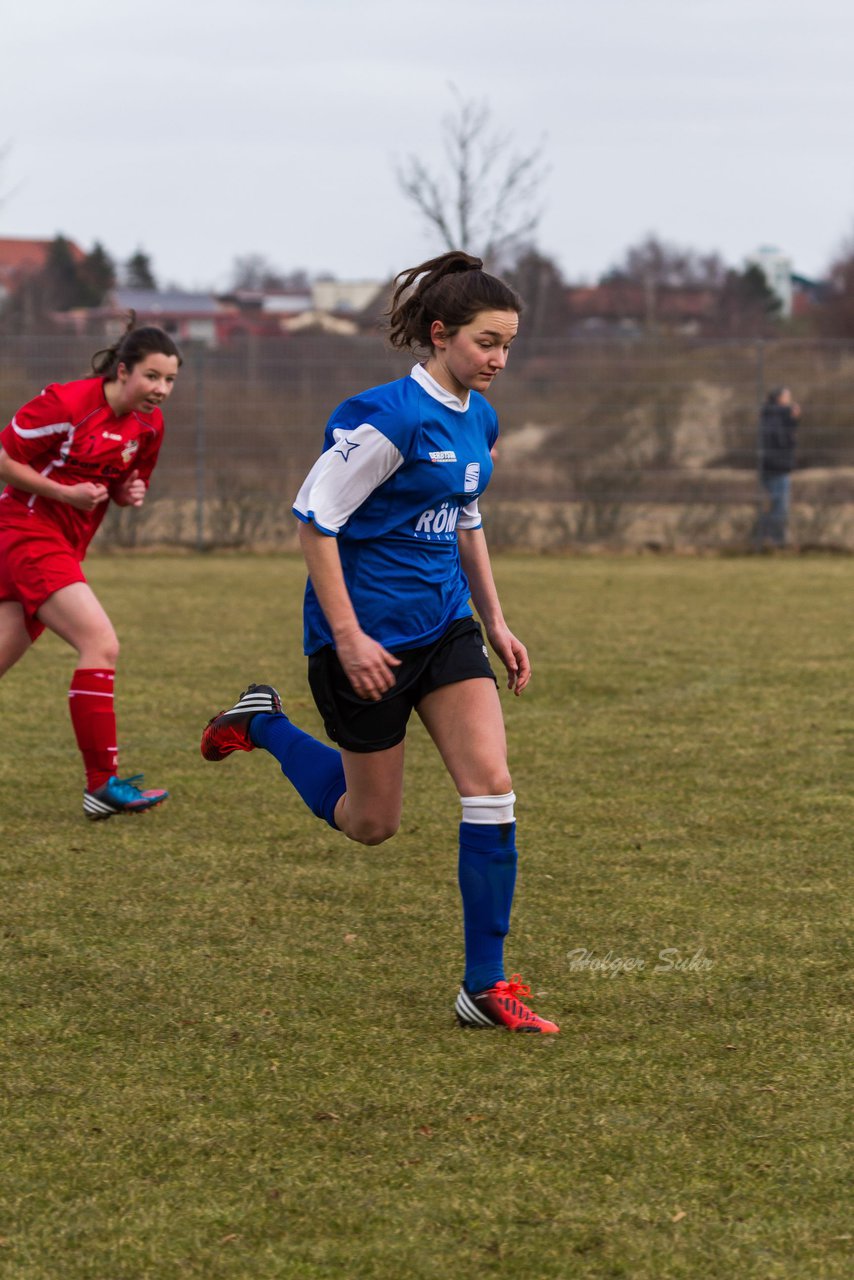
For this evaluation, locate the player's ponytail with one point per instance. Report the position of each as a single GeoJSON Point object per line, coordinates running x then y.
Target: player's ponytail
{"type": "Point", "coordinates": [452, 288]}
{"type": "Point", "coordinates": [132, 346]}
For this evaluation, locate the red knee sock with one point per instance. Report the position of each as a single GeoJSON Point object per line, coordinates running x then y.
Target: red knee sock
{"type": "Point", "coordinates": [90, 700]}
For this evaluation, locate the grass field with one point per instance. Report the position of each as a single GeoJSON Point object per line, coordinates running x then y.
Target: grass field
{"type": "Point", "coordinates": [226, 1043]}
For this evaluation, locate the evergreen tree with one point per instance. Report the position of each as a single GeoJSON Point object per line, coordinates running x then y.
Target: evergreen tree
{"type": "Point", "coordinates": [60, 280]}
{"type": "Point", "coordinates": [139, 273]}
{"type": "Point", "coordinates": [97, 275]}
{"type": "Point", "coordinates": [747, 306]}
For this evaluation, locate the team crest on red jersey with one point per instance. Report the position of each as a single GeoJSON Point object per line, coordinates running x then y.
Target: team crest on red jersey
{"type": "Point", "coordinates": [130, 451]}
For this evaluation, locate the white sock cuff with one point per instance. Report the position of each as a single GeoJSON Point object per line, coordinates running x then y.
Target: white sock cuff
{"type": "Point", "coordinates": [488, 810]}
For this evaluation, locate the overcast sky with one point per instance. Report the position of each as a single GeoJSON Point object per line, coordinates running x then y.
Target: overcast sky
{"type": "Point", "coordinates": [203, 131]}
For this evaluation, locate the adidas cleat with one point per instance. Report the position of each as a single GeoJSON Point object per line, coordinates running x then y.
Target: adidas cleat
{"type": "Point", "coordinates": [120, 795]}
{"type": "Point", "coordinates": [229, 730]}
{"type": "Point", "coordinates": [500, 1006]}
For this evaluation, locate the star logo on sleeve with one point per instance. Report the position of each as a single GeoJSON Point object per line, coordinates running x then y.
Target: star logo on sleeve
{"type": "Point", "coordinates": [345, 447]}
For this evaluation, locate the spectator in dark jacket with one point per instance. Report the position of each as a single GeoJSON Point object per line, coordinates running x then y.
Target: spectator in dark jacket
{"type": "Point", "coordinates": [778, 426]}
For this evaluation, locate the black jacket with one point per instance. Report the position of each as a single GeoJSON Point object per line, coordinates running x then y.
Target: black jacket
{"type": "Point", "coordinates": [777, 432]}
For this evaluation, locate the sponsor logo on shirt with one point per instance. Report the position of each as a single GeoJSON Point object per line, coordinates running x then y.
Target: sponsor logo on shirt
{"type": "Point", "coordinates": [130, 450]}
{"type": "Point", "coordinates": [472, 477]}
{"type": "Point", "coordinates": [441, 523]}
{"type": "Point", "coordinates": [443, 455]}
{"type": "Point", "coordinates": [110, 435]}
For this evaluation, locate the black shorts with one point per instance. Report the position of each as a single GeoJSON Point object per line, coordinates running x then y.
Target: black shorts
{"type": "Point", "coordinates": [357, 724]}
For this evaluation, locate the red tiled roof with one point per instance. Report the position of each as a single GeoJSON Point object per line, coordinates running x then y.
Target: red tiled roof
{"type": "Point", "coordinates": [624, 299]}
{"type": "Point", "coordinates": [23, 257]}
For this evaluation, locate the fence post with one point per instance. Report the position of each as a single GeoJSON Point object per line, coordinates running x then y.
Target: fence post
{"type": "Point", "coordinates": [200, 442]}
{"type": "Point", "coordinates": [760, 397]}
{"type": "Point", "coordinates": [760, 373]}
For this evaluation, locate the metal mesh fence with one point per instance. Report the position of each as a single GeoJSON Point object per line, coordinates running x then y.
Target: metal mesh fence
{"type": "Point", "coordinates": [603, 444]}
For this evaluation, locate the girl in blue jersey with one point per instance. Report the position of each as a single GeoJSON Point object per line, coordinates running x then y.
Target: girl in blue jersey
{"type": "Point", "coordinates": [392, 537]}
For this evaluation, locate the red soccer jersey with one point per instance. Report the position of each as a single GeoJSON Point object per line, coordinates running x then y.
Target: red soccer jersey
{"type": "Point", "coordinates": [70, 433]}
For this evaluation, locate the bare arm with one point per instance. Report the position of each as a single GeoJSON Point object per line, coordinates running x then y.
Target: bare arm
{"type": "Point", "coordinates": [474, 557]}
{"type": "Point", "coordinates": [84, 496]}
{"type": "Point", "coordinates": [368, 666]}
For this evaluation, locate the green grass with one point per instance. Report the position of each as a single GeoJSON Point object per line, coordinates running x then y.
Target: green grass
{"type": "Point", "coordinates": [226, 1043]}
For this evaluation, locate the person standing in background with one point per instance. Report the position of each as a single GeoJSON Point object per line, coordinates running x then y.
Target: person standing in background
{"type": "Point", "coordinates": [778, 426]}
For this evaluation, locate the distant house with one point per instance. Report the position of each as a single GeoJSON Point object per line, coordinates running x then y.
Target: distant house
{"type": "Point", "coordinates": [189, 317]}
{"type": "Point", "coordinates": [273, 302]}
{"type": "Point", "coordinates": [327, 306]}
{"type": "Point", "coordinates": [373, 318]}
{"type": "Point", "coordinates": [218, 320]}
{"type": "Point", "coordinates": [319, 322]}
{"type": "Point", "coordinates": [807, 295]}
{"type": "Point", "coordinates": [22, 258]}
{"type": "Point", "coordinates": [285, 302]}
{"type": "Point", "coordinates": [624, 306]}
{"type": "Point", "coordinates": [344, 297]}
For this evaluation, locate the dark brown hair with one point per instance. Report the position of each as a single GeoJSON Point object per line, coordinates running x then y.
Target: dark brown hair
{"type": "Point", "coordinates": [134, 345]}
{"type": "Point", "coordinates": [452, 288]}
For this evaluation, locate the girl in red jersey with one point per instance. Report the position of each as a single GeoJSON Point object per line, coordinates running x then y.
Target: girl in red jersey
{"type": "Point", "coordinates": [63, 457]}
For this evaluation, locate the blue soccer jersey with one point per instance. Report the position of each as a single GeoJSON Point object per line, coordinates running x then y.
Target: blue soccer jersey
{"type": "Point", "coordinates": [402, 469]}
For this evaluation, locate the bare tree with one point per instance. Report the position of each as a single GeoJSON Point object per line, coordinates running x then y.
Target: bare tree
{"type": "Point", "coordinates": [656, 266]}
{"type": "Point", "coordinates": [484, 199]}
{"type": "Point", "coordinates": [835, 314]}
{"type": "Point", "coordinates": [255, 273]}
{"type": "Point", "coordinates": [665, 265]}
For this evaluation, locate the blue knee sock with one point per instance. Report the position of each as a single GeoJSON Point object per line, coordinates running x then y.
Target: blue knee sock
{"type": "Point", "coordinates": [487, 873]}
{"type": "Point", "coordinates": [314, 769]}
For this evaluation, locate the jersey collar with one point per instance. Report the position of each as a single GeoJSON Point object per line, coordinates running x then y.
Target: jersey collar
{"type": "Point", "coordinates": [433, 388]}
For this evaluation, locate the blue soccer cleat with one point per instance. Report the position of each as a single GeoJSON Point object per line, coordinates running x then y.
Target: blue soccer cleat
{"type": "Point", "coordinates": [120, 795]}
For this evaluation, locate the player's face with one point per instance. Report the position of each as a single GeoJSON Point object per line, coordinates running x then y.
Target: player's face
{"type": "Point", "coordinates": [471, 358]}
{"type": "Point", "coordinates": [148, 383]}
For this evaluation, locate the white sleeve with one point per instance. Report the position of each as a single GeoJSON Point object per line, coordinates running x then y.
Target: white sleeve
{"type": "Point", "coordinates": [470, 517]}
{"type": "Point", "coordinates": [345, 475]}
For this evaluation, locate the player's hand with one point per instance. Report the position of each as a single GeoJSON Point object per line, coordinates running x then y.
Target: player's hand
{"type": "Point", "coordinates": [367, 665]}
{"type": "Point", "coordinates": [86, 496]}
{"type": "Point", "coordinates": [131, 492]}
{"type": "Point", "coordinates": [514, 655]}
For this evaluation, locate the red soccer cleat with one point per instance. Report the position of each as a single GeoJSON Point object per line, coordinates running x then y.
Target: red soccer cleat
{"type": "Point", "coordinates": [229, 730]}
{"type": "Point", "coordinates": [500, 1006]}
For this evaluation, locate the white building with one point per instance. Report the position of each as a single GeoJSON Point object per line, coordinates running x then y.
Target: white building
{"type": "Point", "coordinates": [344, 295]}
{"type": "Point", "coordinates": [777, 270]}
